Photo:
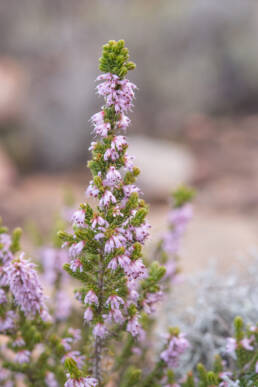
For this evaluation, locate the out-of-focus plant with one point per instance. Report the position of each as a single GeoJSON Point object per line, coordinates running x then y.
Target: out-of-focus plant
{"type": "Point", "coordinates": [118, 287]}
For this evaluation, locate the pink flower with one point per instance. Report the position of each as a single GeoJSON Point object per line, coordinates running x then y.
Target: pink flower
{"type": "Point", "coordinates": [79, 218]}
{"type": "Point", "coordinates": [120, 260]}
{"type": "Point", "coordinates": [113, 177]}
{"type": "Point", "coordinates": [256, 367]}
{"type": "Point", "coordinates": [134, 327]}
{"type": "Point", "coordinates": [25, 287]}
{"type": "Point", "coordinates": [88, 314]}
{"type": "Point", "coordinates": [75, 333]}
{"type": "Point", "coordinates": [246, 343]}
{"type": "Point", "coordinates": [136, 270]}
{"type": "Point", "coordinates": [7, 322]}
{"type": "Point", "coordinates": [5, 252]}
{"type": "Point", "coordinates": [114, 301]}
{"type": "Point", "coordinates": [129, 162]}
{"type": "Point", "coordinates": [129, 189]}
{"type": "Point", "coordinates": [91, 298]}
{"type": "Point", "coordinates": [99, 330]}
{"type": "Point", "coordinates": [101, 127]}
{"type": "Point", "coordinates": [117, 212]}
{"type": "Point", "coordinates": [142, 232]}
{"type": "Point", "coordinates": [124, 122]}
{"type": "Point", "coordinates": [119, 143]}
{"type": "Point", "coordinates": [50, 380]}
{"type": "Point", "coordinates": [76, 249]}
{"type": "Point", "coordinates": [92, 190]}
{"type": "Point", "coordinates": [22, 357]}
{"type": "Point", "coordinates": [231, 346]}
{"type": "Point", "coordinates": [107, 199]}
{"type": "Point", "coordinates": [19, 342]}
{"type": "Point", "coordinates": [114, 242]}
{"type": "Point", "coordinates": [80, 382]}
{"type": "Point", "coordinates": [150, 300]}
{"type": "Point", "coordinates": [181, 215]}
{"type": "Point", "coordinates": [2, 296]}
{"type": "Point", "coordinates": [111, 154]}
{"type": "Point", "coordinates": [176, 347]}
{"type": "Point", "coordinates": [98, 221]}
{"type": "Point", "coordinates": [93, 146]}
{"type": "Point", "coordinates": [116, 315]}
{"type": "Point", "coordinates": [76, 264]}
{"type": "Point", "coordinates": [62, 305]}
{"type": "Point", "coordinates": [98, 118]}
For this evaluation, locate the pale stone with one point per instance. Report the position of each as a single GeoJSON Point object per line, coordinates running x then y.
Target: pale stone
{"type": "Point", "coordinates": [163, 165]}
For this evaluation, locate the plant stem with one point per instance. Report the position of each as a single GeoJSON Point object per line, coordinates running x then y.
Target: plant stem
{"type": "Point", "coordinates": [98, 347]}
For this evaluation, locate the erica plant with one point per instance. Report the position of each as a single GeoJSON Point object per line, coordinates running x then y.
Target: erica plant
{"type": "Point", "coordinates": [118, 288]}
{"type": "Point", "coordinates": [106, 245]}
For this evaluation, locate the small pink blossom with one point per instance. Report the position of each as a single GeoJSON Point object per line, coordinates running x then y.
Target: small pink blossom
{"type": "Point", "coordinates": [114, 242]}
{"type": "Point", "coordinates": [92, 190]}
{"type": "Point", "coordinates": [231, 346]}
{"type": "Point", "coordinates": [176, 347]}
{"type": "Point", "coordinates": [93, 146]}
{"type": "Point", "coordinates": [50, 380]}
{"type": "Point", "coordinates": [22, 357]}
{"type": "Point", "coordinates": [114, 301]}
{"type": "Point", "coordinates": [116, 315]}
{"type": "Point", "coordinates": [97, 220]}
{"type": "Point", "coordinates": [19, 342]}
{"type": "Point", "coordinates": [80, 382]}
{"type": "Point", "coordinates": [76, 265]}
{"type": "Point", "coordinates": [119, 143]}
{"type": "Point", "coordinates": [3, 298]}
{"type": "Point", "coordinates": [113, 178]}
{"type": "Point", "coordinates": [76, 249]}
{"type": "Point", "coordinates": [111, 154]}
{"type": "Point", "coordinates": [134, 327]}
{"type": "Point", "coordinates": [88, 314]}
{"type": "Point", "coordinates": [136, 269]}
{"type": "Point", "coordinates": [107, 199]}
{"type": "Point", "coordinates": [246, 343]}
{"type": "Point", "coordinates": [142, 232]}
{"type": "Point", "coordinates": [26, 288]}
{"type": "Point", "coordinates": [129, 162]}
{"type": "Point", "coordinates": [124, 122]}
{"type": "Point", "coordinates": [91, 298]}
{"type": "Point", "coordinates": [117, 212]}
{"type": "Point", "coordinates": [63, 305]}
{"type": "Point", "coordinates": [99, 330]}
{"type": "Point", "coordinates": [129, 189]}
{"type": "Point", "coordinates": [7, 322]}
{"type": "Point", "coordinates": [79, 218]}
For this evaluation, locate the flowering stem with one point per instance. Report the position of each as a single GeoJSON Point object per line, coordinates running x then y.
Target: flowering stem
{"type": "Point", "coordinates": [97, 372]}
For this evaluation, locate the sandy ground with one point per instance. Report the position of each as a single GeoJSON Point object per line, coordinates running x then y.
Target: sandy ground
{"type": "Point", "coordinates": [216, 232]}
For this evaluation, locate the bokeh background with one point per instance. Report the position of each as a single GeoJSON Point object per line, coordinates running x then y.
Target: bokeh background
{"type": "Point", "coordinates": [195, 118]}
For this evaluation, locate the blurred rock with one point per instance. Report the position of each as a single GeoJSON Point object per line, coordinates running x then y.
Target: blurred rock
{"type": "Point", "coordinates": [7, 171]}
{"type": "Point", "coordinates": [11, 88]}
{"type": "Point", "coordinates": [163, 165]}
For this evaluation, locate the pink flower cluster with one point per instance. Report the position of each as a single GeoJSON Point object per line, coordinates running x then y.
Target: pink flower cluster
{"type": "Point", "coordinates": [24, 284]}
{"type": "Point", "coordinates": [245, 343]}
{"type": "Point", "coordinates": [80, 382]}
{"type": "Point", "coordinates": [5, 252]}
{"type": "Point", "coordinates": [176, 346]}
{"type": "Point", "coordinates": [53, 260]}
{"type": "Point", "coordinates": [178, 219]}
{"type": "Point", "coordinates": [118, 93]}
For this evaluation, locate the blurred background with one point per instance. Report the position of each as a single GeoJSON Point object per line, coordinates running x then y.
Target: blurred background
{"type": "Point", "coordinates": [195, 118]}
